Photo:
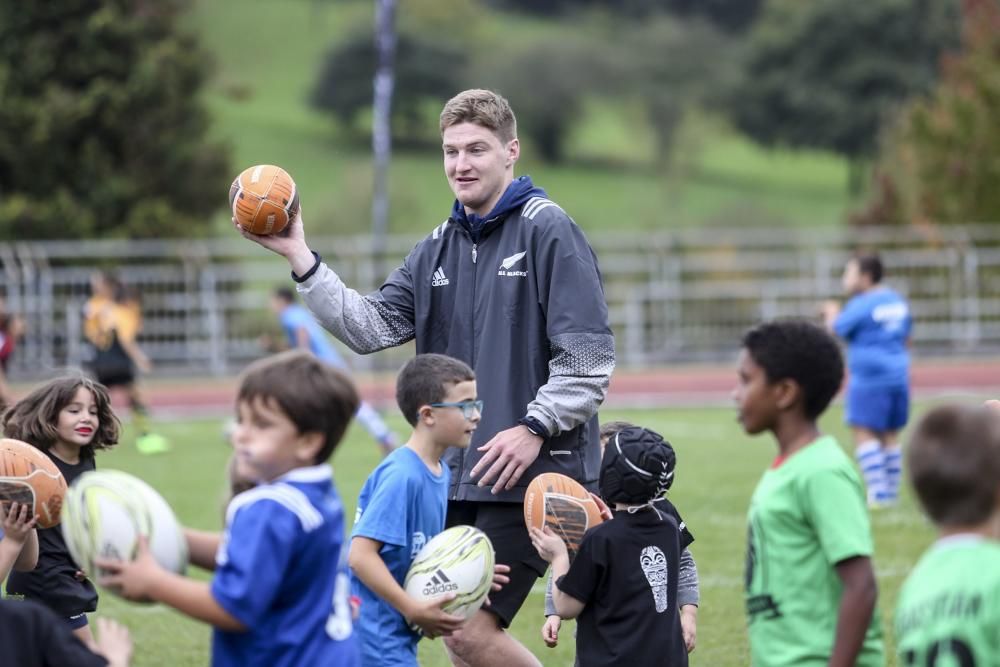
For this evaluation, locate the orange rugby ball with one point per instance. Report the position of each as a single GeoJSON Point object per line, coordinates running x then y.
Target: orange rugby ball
{"type": "Point", "coordinates": [30, 477]}
{"type": "Point", "coordinates": [264, 199]}
{"type": "Point", "coordinates": [562, 504]}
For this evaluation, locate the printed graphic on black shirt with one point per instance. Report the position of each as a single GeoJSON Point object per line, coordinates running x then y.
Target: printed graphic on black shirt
{"type": "Point", "coordinates": [654, 566]}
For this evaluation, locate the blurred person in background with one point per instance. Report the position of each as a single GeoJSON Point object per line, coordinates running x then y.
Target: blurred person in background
{"type": "Point", "coordinates": [302, 331]}
{"type": "Point", "coordinates": [112, 321]}
{"type": "Point", "coordinates": [875, 322]}
{"type": "Point", "coordinates": [11, 332]}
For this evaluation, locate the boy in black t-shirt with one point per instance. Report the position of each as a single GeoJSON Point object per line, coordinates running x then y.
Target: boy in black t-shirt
{"type": "Point", "coordinates": [623, 583]}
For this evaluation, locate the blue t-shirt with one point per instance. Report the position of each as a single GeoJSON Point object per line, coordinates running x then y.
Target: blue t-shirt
{"type": "Point", "coordinates": [402, 505]}
{"type": "Point", "coordinates": [876, 325]}
{"type": "Point", "coordinates": [295, 317]}
{"type": "Point", "coordinates": [279, 573]}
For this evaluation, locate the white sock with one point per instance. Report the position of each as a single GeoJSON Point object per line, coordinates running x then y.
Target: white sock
{"type": "Point", "coordinates": [870, 460]}
{"type": "Point", "coordinates": [892, 464]}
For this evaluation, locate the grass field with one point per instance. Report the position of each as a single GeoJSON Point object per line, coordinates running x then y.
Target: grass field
{"type": "Point", "coordinates": [718, 467]}
{"type": "Point", "coordinates": [258, 98]}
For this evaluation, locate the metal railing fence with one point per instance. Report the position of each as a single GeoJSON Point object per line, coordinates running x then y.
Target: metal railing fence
{"type": "Point", "coordinates": [673, 295]}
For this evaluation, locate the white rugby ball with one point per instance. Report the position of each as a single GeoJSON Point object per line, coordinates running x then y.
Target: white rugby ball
{"type": "Point", "coordinates": [106, 511]}
{"type": "Point", "coordinates": [459, 560]}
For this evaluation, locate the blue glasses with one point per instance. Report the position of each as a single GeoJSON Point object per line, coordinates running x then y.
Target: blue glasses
{"type": "Point", "coordinates": [469, 408]}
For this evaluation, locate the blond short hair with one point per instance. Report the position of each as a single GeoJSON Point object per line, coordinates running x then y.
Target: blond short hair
{"type": "Point", "coordinates": [482, 107]}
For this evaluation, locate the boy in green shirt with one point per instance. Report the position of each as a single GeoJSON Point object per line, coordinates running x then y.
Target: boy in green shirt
{"type": "Point", "coordinates": [948, 611]}
{"type": "Point", "coordinates": [810, 586]}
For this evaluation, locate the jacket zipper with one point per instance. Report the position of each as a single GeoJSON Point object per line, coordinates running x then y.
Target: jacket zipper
{"type": "Point", "coordinates": [472, 321]}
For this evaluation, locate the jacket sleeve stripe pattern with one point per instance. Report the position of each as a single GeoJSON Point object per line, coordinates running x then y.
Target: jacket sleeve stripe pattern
{"type": "Point", "coordinates": [580, 369]}
{"type": "Point", "coordinates": [364, 323]}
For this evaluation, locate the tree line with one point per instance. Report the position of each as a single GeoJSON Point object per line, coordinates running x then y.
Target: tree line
{"type": "Point", "coordinates": [102, 131]}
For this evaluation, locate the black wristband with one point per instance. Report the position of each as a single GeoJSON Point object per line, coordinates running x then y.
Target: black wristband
{"type": "Point", "coordinates": [535, 426]}
{"type": "Point", "coordinates": [308, 274]}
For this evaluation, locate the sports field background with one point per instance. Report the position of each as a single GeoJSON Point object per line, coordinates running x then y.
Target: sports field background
{"type": "Point", "coordinates": [718, 467]}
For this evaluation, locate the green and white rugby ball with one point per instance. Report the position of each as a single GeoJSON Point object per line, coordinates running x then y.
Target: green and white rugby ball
{"type": "Point", "coordinates": [459, 560]}
{"type": "Point", "coordinates": [106, 511]}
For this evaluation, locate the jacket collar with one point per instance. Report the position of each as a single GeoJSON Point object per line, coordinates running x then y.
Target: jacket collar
{"type": "Point", "coordinates": [517, 193]}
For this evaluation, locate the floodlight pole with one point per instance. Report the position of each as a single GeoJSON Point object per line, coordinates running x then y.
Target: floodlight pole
{"type": "Point", "coordinates": [385, 50]}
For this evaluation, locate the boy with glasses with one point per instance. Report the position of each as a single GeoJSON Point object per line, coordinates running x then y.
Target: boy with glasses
{"type": "Point", "coordinates": [402, 506]}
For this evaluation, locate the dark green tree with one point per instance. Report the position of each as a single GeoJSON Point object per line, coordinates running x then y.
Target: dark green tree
{"type": "Point", "coordinates": [434, 40]}
{"type": "Point", "coordinates": [827, 74]}
{"type": "Point", "coordinates": [940, 165]}
{"type": "Point", "coordinates": [546, 82]}
{"type": "Point", "coordinates": [674, 65]}
{"type": "Point", "coordinates": [102, 132]}
{"type": "Point", "coordinates": [426, 74]}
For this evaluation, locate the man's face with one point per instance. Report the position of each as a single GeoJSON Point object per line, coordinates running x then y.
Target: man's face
{"type": "Point", "coordinates": [853, 281]}
{"type": "Point", "coordinates": [478, 165]}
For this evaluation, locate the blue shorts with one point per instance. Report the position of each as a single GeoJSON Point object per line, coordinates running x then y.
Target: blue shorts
{"type": "Point", "coordinates": [77, 622]}
{"type": "Point", "coordinates": [878, 409]}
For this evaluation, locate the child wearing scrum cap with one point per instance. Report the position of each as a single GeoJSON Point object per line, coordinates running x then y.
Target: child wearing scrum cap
{"type": "Point", "coordinates": [688, 593]}
{"type": "Point", "coordinates": [622, 586]}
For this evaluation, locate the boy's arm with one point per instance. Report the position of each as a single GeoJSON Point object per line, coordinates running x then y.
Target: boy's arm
{"type": "Point", "coordinates": [144, 579]}
{"type": "Point", "coordinates": [368, 566]}
{"type": "Point", "coordinates": [687, 580]}
{"type": "Point", "coordinates": [566, 605]}
{"type": "Point", "coordinates": [550, 607]}
{"type": "Point", "coordinates": [688, 597]}
{"type": "Point", "coordinates": [27, 560]}
{"type": "Point", "coordinates": [553, 551]}
{"type": "Point", "coordinates": [202, 547]}
{"type": "Point", "coordinates": [302, 338]}
{"type": "Point", "coordinates": [9, 551]}
{"type": "Point", "coordinates": [857, 604]}
{"type": "Point", "coordinates": [847, 320]}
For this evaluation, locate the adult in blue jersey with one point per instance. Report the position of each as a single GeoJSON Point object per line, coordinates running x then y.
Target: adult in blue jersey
{"type": "Point", "coordinates": [875, 322]}
{"type": "Point", "coordinates": [302, 331]}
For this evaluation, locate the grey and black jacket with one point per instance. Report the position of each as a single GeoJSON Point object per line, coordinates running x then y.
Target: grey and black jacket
{"type": "Point", "coordinates": [522, 302]}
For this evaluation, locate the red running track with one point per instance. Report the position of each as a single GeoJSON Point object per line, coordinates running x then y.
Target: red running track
{"type": "Point", "coordinates": [679, 385]}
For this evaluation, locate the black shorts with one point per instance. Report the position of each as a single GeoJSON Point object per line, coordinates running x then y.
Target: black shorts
{"type": "Point", "coordinates": [115, 378]}
{"type": "Point", "coordinates": [503, 523]}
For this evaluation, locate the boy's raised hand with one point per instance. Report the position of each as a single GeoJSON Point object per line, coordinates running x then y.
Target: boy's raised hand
{"type": "Point", "coordinates": [550, 631]}
{"type": "Point", "coordinates": [132, 579]}
{"type": "Point", "coordinates": [431, 619]}
{"type": "Point", "coordinates": [17, 522]}
{"type": "Point", "coordinates": [549, 545]}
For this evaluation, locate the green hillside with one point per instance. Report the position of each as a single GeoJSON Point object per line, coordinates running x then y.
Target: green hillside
{"type": "Point", "coordinates": [268, 55]}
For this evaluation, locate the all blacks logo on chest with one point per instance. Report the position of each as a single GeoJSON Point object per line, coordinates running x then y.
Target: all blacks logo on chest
{"type": "Point", "coordinates": [508, 264]}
